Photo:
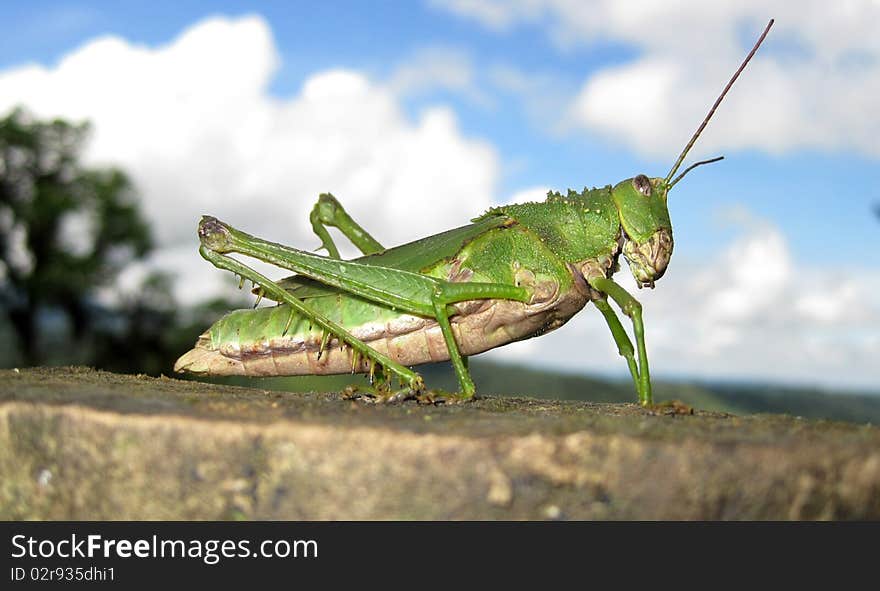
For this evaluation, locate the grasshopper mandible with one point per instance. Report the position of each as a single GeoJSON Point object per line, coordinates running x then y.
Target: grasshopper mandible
{"type": "Point", "coordinates": [516, 272]}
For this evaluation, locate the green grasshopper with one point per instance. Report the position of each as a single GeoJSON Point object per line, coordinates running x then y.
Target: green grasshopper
{"type": "Point", "coordinates": [516, 272]}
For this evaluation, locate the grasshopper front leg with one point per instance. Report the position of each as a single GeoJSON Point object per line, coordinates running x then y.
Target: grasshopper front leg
{"type": "Point", "coordinates": [624, 345]}
{"type": "Point", "coordinates": [633, 309]}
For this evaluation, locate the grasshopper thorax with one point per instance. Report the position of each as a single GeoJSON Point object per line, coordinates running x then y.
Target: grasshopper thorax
{"type": "Point", "coordinates": [646, 230]}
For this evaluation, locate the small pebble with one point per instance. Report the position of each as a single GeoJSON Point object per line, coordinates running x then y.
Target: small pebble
{"type": "Point", "coordinates": [552, 512]}
{"type": "Point", "coordinates": [44, 477]}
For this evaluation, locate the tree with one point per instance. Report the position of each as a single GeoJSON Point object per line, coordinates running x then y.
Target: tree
{"type": "Point", "coordinates": [65, 230]}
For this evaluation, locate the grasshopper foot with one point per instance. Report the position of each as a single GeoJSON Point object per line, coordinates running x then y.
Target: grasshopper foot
{"type": "Point", "coordinates": [378, 395]}
{"type": "Point", "coordinates": [670, 408]}
{"type": "Point", "coordinates": [442, 397]}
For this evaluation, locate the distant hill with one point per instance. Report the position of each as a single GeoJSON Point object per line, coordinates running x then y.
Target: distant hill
{"type": "Point", "coordinates": [727, 397]}
{"type": "Point", "coordinates": [512, 380]}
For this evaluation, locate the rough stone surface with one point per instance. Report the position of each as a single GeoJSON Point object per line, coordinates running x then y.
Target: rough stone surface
{"type": "Point", "coordinates": [82, 444]}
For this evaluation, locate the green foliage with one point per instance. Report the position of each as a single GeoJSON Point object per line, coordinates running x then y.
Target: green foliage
{"type": "Point", "coordinates": [65, 230]}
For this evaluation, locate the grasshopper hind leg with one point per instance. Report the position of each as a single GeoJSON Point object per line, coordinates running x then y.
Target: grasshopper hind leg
{"type": "Point", "coordinates": [411, 292]}
{"type": "Point", "coordinates": [329, 212]}
{"type": "Point", "coordinates": [412, 382]}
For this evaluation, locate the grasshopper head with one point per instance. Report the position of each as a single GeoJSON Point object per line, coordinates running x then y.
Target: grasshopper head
{"type": "Point", "coordinates": [646, 228]}
{"type": "Point", "coordinates": [641, 203]}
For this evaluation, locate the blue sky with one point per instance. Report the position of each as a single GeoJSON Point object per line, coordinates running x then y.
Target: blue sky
{"type": "Point", "coordinates": [510, 98]}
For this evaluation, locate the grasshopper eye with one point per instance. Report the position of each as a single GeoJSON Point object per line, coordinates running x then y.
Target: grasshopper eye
{"type": "Point", "coordinates": [642, 185]}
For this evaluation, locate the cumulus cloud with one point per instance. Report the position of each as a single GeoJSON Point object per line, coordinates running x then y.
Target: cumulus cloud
{"type": "Point", "coordinates": [497, 15]}
{"type": "Point", "coordinates": [439, 68]}
{"type": "Point", "coordinates": [543, 95]}
{"type": "Point", "coordinates": [193, 123]}
{"type": "Point", "coordinates": [813, 85]}
{"type": "Point", "coordinates": [749, 311]}
{"type": "Point", "coordinates": [525, 195]}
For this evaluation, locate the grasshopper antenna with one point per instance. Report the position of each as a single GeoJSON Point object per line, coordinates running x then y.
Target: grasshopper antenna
{"type": "Point", "coordinates": [702, 126]}
{"type": "Point", "coordinates": [693, 166]}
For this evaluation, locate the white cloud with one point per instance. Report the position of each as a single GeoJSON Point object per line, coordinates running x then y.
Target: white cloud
{"type": "Point", "coordinates": [439, 68]}
{"type": "Point", "coordinates": [194, 125]}
{"type": "Point", "coordinates": [193, 122]}
{"type": "Point", "coordinates": [813, 85]}
{"type": "Point", "coordinates": [750, 312]}
{"type": "Point", "coordinates": [526, 195]}
{"type": "Point", "coordinates": [496, 15]}
{"type": "Point", "coordinates": [544, 95]}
